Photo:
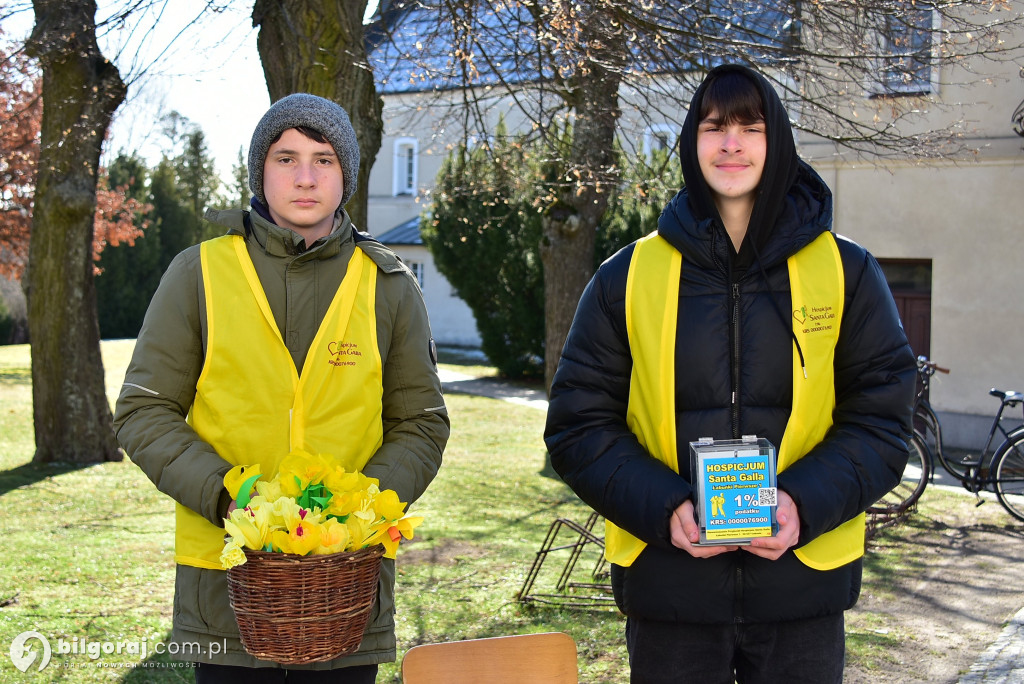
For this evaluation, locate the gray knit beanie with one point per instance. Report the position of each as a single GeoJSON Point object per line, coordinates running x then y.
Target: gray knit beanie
{"type": "Point", "coordinates": [303, 109]}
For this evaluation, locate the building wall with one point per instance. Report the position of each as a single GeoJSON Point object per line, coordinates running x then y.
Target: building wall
{"type": "Point", "coordinates": [963, 215]}
{"type": "Point", "coordinates": [967, 220]}
{"type": "Point", "coordinates": [451, 320]}
{"type": "Point", "coordinates": [420, 117]}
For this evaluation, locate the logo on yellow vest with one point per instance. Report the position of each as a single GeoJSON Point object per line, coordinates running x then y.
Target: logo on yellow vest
{"type": "Point", "coordinates": [817, 319]}
{"type": "Point", "coordinates": [343, 353]}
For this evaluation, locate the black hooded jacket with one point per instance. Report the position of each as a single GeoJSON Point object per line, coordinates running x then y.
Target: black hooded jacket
{"type": "Point", "coordinates": [733, 336]}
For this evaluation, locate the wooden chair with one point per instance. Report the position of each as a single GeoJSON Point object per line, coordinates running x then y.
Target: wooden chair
{"type": "Point", "coordinates": [548, 658]}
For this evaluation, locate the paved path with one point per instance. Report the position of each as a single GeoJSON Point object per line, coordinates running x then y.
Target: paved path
{"type": "Point", "coordinates": [1002, 663]}
{"type": "Point", "coordinates": [492, 387]}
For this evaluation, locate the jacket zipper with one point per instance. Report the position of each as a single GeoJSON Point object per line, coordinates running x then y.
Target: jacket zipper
{"type": "Point", "coordinates": [734, 331]}
{"type": "Point", "coordinates": [735, 360]}
{"type": "Point", "coordinates": [737, 605]}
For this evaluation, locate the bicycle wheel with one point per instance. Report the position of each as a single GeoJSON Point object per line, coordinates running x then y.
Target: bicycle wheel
{"type": "Point", "coordinates": [911, 485]}
{"type": "Point", "coordinates": [1009, 475]}
{"type": "Point", "coordinates": [928, 429]}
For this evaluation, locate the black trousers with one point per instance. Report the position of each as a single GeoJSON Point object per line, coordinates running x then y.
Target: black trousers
{"type": "Point", "coordinates": [797, 652]}
{"type": "Point", "coordinates": [231, 674]}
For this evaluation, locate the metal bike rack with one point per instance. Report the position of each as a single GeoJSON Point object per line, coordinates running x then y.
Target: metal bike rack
{"type": "Point", "coordinates": [879, 520]}
{"type": "Point", "coordinates": [593, 592]}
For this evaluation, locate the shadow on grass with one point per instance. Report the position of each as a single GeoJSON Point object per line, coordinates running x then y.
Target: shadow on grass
{"type": "Point", "coordinates": [548, 470]}
{"type": "Point", "coordinates": [15, 376]}
{"type": "Point", "coordinates": [933, 561]}
{"type": "Point", "coordinates": [160, 667]}
{"type": "Point", "coordinates": [31, 473]}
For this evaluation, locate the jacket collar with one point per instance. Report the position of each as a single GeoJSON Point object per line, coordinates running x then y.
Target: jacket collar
{"type": "Point", "coordinates": [282, 242]}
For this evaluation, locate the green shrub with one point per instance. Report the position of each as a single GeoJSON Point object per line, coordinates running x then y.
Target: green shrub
{"type": "Point", "coordinates": [484, 232]}
{"type": "Point", "coordinates": [484, 237]}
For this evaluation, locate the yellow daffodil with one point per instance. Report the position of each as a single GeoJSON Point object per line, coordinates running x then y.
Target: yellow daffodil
{"type": "Point", "coordinates": [408, 524]}
{"type": "Point", "coordinates": [237, 476]}
{"type": "Point", "coordinates": [312, 505]}
{"type": "Point", "coordinates": [270, 489]}
{"type": "Point", "coordinates": [232, 555]}
{"type": "Point", "coordinates": [338, 480]}
{"type": "Point", "coordinates": [299, 469]}
{"type": "Point", "coordinates": [345, 502]}
{"type": "Point", "coordinates": [388, 506]}
{"type": "Point", "coordinates": [360, 527]}
{"type": "Point", "coordinates": [390, 535]}
{"type": "Point", "coordinates": [333, 537]}
{"type": "Point", "coordinates": [284, 513]}
{"type": "Point", "coordinates": [299, 540]}
{"type": "Point", "coordinates": [244, 528]}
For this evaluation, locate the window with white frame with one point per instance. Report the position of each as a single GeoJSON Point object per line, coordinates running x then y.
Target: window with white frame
{"type": "Point", "coordinates": [417, 270]}
{"type": "Point", "coordinates": [406, 166]}
{"type": "Point", "coordinates": [906, 45]}
{"type": "Point", "coordinates": [659, 137]}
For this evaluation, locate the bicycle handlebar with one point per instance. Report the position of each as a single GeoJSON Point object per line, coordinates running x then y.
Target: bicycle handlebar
{"type": "Point", "coordinates": [929, 368]}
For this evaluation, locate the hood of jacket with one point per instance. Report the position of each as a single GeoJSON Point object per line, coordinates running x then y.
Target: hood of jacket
{"type": "Point", "coordinates": [791, 198]}
{"type": "Point", "coordinates": [805, 213]}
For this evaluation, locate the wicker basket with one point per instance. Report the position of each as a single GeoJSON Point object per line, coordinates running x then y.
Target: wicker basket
{"type": "Point", "coordinates": [303, 609]}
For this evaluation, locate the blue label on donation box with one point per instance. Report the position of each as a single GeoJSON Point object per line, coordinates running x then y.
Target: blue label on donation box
{"type": "Point", "coordinates": [734, 489]}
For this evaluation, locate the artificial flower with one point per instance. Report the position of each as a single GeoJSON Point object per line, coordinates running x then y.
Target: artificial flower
{"type": "Point", "coordinates": [360, 526]}
{"type": "Point", "coordinates": [232, 555]}
{"type": "Point", "coordinates": [344, 502]}
{"type": "Point", "coordinates": [338, 480]}
{"type": "Point", "coordinates": [392, 534]}
{"type": "Point", "coordinates": [310, 506]}
{"type": "Point", "coordinates": [299, 469]}
{"type": "Point", "coordinates": [270, 489]}
{"type": "Point", "coordinates": [239, 475]}
{"type": "Point", "coordinates": [300, 540]}
{"type": "Point", "coordinates": [387, 505]}
{"type": "Point", "coordinates": [333, 537]}
{"type": "Point", "coordinates": [244, 527]}
{"type": "Point", "coordinates": [284, 513]}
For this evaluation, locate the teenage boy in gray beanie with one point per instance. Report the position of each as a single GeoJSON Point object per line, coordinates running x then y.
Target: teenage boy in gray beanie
{"type": "Point", "coordinates": [292, 331]}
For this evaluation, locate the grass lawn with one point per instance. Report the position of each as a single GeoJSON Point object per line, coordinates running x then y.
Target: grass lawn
{"type": "Point", "coordinates": [89, 550]}
{"type": "Point", "coordinates": [94, 545]}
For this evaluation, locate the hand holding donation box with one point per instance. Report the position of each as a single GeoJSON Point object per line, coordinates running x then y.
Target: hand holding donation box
{"type": "Point", "coordinates": [734, 489]}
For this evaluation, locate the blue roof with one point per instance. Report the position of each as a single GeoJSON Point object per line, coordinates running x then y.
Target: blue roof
{"type": "Point", "coordinates": [410, 50]}
{"type": "Point", "coordinates": [407, 233]}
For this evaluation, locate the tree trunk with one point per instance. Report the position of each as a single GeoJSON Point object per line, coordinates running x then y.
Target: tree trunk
{"type": "Point", "coordinates": [81, 91]}
{"type": "Point", "coordinates": [317, 46]}
{"type": "Point", "coordinates": [567, 245]}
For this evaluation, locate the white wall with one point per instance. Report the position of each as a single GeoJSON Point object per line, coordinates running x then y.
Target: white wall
{"type": "Point", "coordinates": [451, 320]}
{"type": "Point", "coordinates": [966, 216]}
{"type": "Point", "coordinates": [968, 219]}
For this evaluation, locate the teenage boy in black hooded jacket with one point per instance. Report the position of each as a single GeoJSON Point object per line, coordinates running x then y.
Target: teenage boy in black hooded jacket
{"type": "Point", "coordinates": [746, 237]}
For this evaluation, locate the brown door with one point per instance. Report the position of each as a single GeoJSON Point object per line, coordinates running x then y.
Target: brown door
{"type": "Point", "coordinates": [910, 281]}
{"type": "Point", "coordinates": [916, 314]}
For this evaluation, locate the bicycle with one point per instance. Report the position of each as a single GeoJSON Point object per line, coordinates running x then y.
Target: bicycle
{"type": "Point", "coordinates": [1000, 470]}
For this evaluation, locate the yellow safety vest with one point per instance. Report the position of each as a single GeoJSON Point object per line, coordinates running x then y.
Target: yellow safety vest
{"type": "Point", "coordinates": [652, 305]}
{"type": "Point", "coordinates": [252, 405]}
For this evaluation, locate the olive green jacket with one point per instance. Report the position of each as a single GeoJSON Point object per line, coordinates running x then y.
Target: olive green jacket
{"type": "Point", "coordinates": [160, 386]}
